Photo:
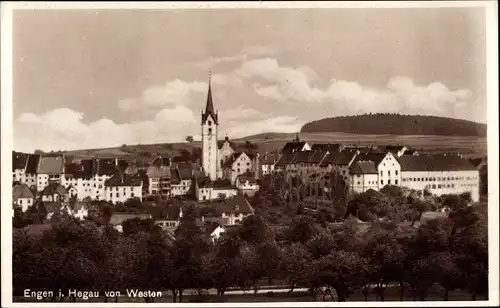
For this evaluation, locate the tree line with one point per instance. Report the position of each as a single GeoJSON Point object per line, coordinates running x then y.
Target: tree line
{"type": "Point", "coordinates": [333, 261]}
{"type": "Point", "coordinates": [397, 124]}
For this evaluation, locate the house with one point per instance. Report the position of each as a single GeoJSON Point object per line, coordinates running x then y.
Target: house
{"type": "Point", "coordinates": [295, 146]}
{"type": "Point", "coordinates": [160, 161]}
{"type": "Point", "coordinates": [172, 218]}
{"type": "Point", "coordinates": [79, 210]}
{"type": "Point", "coordinates": [388, 167]}
{"type": "Point", "coordinates": [54, 192]}
{"type": "Point", "coordinates": [364, 176]}
{"type": "Point", "coordinates": [71, 192]}
{"type": "Point", "coordinates": [327, 147]}
{"type": "Point", "coordinates": [247, 184]}
{"type": "Point", "coordinates": [22, 197]}
{"type": "Point", "coordinates": [19, 164]}
{"type": "Point", "coordinates": [50, 170]}
{"type": "Point", "coordinates": [30, 175]}
{"type": "Point", "coordinates": [121, 187]}
{"type": "Point", "coordinates": [181, 179]}
{"type": "Point", "coordinates": [232, 211]}
{"type": "Point", "coordinates": [215, 231]}
{"type": "Point", "coordinates": [239, 163]}
{"type": "Point", "coordinates": [218, 189]}
{"type": "Point", "coordinates": [117, 219]}
{"type": "Point", "coordinates": [439, 174]}
{"type": "Point", "coordinates": [159, 180]}
{"type": "Point", "coordinates": [267, 163]}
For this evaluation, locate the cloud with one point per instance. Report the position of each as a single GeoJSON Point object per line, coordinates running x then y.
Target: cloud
{"type": "Point", "coordinates": [240, 113]}
{"type": "Point", "coordinates": [175, 92]}
{"type": "Point", "coordinates": [290, 85]}
{"type": "Point", "coordinates": [64, 129]}
{"type": "Point", "coordinates": [243, 55]}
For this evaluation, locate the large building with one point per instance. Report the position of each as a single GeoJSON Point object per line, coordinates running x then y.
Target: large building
{"type": "Point", "coordinates": [439, 174]}
{"type": "Point", "coordinates": [219, 158]}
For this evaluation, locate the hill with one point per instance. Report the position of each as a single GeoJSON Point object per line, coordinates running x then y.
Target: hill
{"type": "Point", "coordinates": [396, 124]}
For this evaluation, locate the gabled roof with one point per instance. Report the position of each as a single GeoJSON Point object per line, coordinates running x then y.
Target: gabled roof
{"type": "Point", "coordinates": [175, 177]}
{"type": "Point", "coordinates": [161, 161]}
{"type": "Point", "coordinates": [318, 156]}
{"type": "Point", "coordinates": [301, 157]}
{"type": "Point", "coordinates": [477, 162]}
{"type": "Point", "coordinates": [19, 160]}
{"type": "Point", "coordinates": [51, 164]}
{"type": "Point", "coordinates": [434, 163]}
{"type": "Point", "coordinates": [364, 167]}
{"type": "Point", "coordinates": [105, 167]}
{"type": "Point", "coordinates": [158, 172]}
{"type": "Point", "coordinates": [185, 171]}
{"type": "Point", "coordinates": [220, 143]}
{"type": "Point", "coordinates": [21, 191]}
{"type": "Point", "coordinates": [339, 158]}
{"type": "Point", "coordinates": [284, 159]}
{"type": "Point", "coordinates": [122, 179]}
{"type": "Point", "coordinates": [229, 163]}
{"type": "Point", "coordinates": [291, 147]}
{"type": "Point", "coordinates": [120, 218]}
{"type": "Point", "coordinates": [54, 188]}
{"type": "Point", "coordinates": [172, 213]}
{"type": "Point", "coordinates": [331, 147]}
{"type": "Point", "coordinates": [237, 204]}
{"type": "Point", "coordinates": [269, 159]}
{"type": "Point", "coordinates": [377, 158]}
{"type": "Point", "coordinates": [243, 178]}
{"type": "Point", "coordinates": [32, 165]}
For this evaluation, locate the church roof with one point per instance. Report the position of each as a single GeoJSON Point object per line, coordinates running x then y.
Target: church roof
{"type": "Point", "coordinates": [209, 109]}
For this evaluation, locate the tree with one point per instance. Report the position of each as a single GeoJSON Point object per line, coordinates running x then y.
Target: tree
{"type": "Point", "coordinates": [296, 257]}
{"type": "Point", "coordinates": [301, 230]}
{"type": "Point", "coordinates": [253, 230]}
{"type": "Point", "coordinates": [189, 139]}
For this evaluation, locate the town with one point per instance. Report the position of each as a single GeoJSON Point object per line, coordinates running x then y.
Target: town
{"type": "Point", "coordinates": [293, 196]}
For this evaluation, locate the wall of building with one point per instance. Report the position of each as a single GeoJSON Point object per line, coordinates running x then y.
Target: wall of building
{"type": "Point", "coordinates": [360, 183]}
{"type": "Point", "coordinates": [116, 194]}
{"type": "Point", "coordinates": [443, 182]}
{"type": "Point", "coordinates": [389, 171]}
{"type": "Point", "coordinates": [210, 151]}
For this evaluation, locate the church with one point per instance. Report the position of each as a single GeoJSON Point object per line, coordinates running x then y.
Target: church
{"type": "Point", "coordinates": [220, 160]}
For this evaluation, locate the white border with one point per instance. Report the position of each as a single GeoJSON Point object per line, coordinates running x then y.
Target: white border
{"type": "Point", "coordinates": [491, 8]}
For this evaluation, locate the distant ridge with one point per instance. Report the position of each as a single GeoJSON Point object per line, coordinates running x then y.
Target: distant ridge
{"type": "Point", "coordinates": [396, 124]}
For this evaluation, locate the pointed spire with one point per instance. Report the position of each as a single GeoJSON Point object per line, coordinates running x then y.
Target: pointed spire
{"type": "Point", "coordinates": [209, 109]}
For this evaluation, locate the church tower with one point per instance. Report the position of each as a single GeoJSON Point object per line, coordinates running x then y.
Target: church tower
{"type": "Point", "coordinates": [209, 128]}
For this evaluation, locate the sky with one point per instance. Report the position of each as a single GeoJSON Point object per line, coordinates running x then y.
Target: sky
{"type": "Point", "coordinates": [103, 78]}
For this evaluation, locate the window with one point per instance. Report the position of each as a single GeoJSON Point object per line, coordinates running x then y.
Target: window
{"type": "Point", "coordinates": [433, 185]}
{"type": "Point", "coordinates": [110, 195]}
{"type": "Point", "coordinates": [381, 172]}
{"type": "Point", "coordinates": [381, 182]}
{"type": "Point", "coordinates": [209, 130]}
{"type": "Point", "coordinates": [359, 183]}
{"type": "Point", "coordinates": [389, 172]}
{"type": "Point", "coordinates": [389, 182]}
{"type": "Point", "coordinates": [117, 195]}
{"type": "Point", "coordinates": [396, 182]}
{"type": "Point", "coordinates": [439, 185]}
{"type": "Point", "coordinates": [132, 195]}
{"type": "Point", "coordinates": [396, 172]}
{"type": "Point", "coordinates": [209, 123]}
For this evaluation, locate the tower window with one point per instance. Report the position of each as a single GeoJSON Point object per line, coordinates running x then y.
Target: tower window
{"type": "Point", "coordinates": [209, 130]}
{"type": "Point", "coordinates": [209, 123]}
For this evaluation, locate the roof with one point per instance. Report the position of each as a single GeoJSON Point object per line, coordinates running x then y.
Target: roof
{"type": "Point", "coordinates": [377, 158]}
{"type": "Point", "coordinates": [269, 159]}
{"type": "Point", "coordinates": [364, 167]}
{"type": "Point", "coordinates": [105, 167]}
{"type": "Point", "coordinates": [122, 179]}
{"type": "Point", "coordinates": [161, 161]}
{"type": "Point", "coordinates": [185, 171]}
{"type": "Point", "coordinates": [51, 207]}
{"type": "Point", "coordinates": [284, 159]}
{"type": "Point", "coordinates": [318, 156]}
{"type": "Point", "coordinates": [175, 177]}
{"type": "Point", "coordinates": [21, 191]}
{"type": "Point", "coordinates": [291, 147]}
{"type": "Point", "coordinates": [331, 147]}
{"type": "Point", "coordinates": [233, 158]}
{"type": "Point", "coordinates": [434, 163]}
{"type": "Point", "coordinates": [32, 165]}
{"type": "Point", "coordinates": [78, 205]}
{"type": "Point", "coordinates": [51, 164]}
{"type": "Point", "coordinates": [19, 160]}
{"type": "Point", "coordinates": [477, 162]}
{"type": "Point", "coordinates": [209, 108]}
{"type": "Point", "coordinates": [301, 157]}
{"type": "Point", "coordinates": [54, 188]}
{"type": "Point", "coordinates": [120, 218]}
{"type": "Point", "coordinates": [158, 172]}
{"type": "Point", "coordinates": [243, 178]}
{"type": "Point", "coordinates": [220, 143]}
{"type": "Point", "coordinates": [339, 158]}
{"type": "Point", "coordinates": [237, 204]}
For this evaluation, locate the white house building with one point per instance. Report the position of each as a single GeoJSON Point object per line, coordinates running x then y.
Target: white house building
{"type": "Point", "coordinates": [440, 174]}
{"type": "Point", "coordinates": [22, 197]}
{"type": "Point", "coordinates": [247, 185]}
{"type": "Point", "coordinates": [50, 170]}
{"type": "Point", "coordinates": [121, 187]}
{"type": "Point", "coordinates": [219, 189]}
{"type": "Point", "coordinates": [388, 167]}
{"type": "Point", "coordinates": [363, 176]}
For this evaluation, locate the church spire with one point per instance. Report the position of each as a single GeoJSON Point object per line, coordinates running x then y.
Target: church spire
{"type": "Point", "coordinates": [209, 109]}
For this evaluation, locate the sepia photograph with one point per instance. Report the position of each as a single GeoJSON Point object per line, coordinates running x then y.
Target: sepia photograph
{"type": "Point", "coordinates": [245, 153]}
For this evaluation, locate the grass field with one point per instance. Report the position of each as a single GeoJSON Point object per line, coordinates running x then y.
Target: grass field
{"type": "Point", "coordinates": [470, 146]}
